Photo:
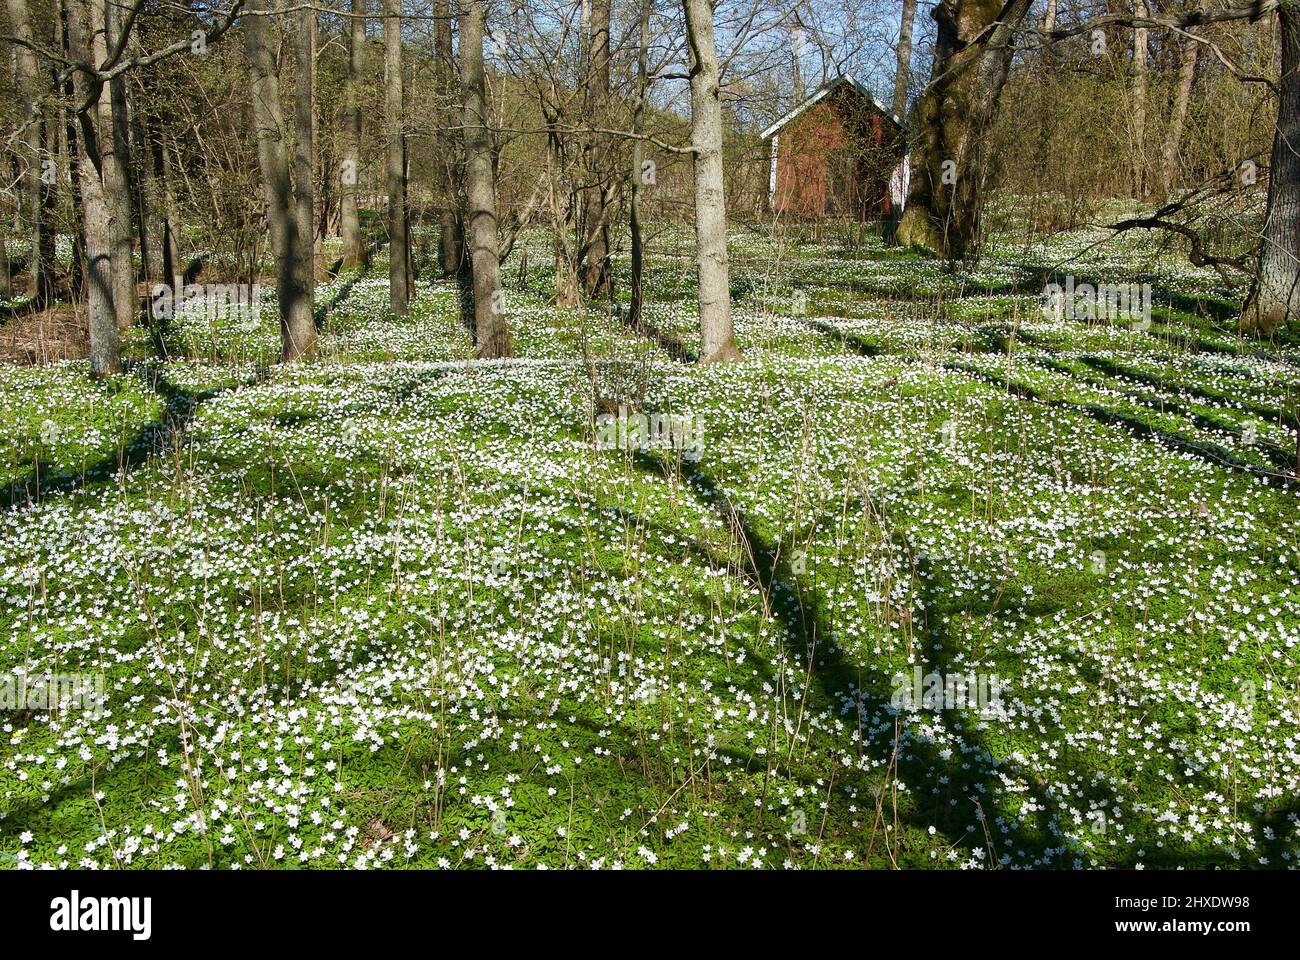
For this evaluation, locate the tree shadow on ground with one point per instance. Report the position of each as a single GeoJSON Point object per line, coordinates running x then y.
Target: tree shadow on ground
{"type": "Point", "coordinates": [841, 686]}
{"type": "Point", "coordinates": [1210, 453]}
{"type": "Point", "coordinates": [180, 406]}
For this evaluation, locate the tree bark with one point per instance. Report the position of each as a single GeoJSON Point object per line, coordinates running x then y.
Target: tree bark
{"type": "Point", "coordinates": [293, 268]}
{"type": "Point", "coordinates": [1274, 298]}
{"type": "Point", "coordinates": [595, 266]}
{"type": "Point", "coordinates": [950, 161]}
{"type": "Point", "coordinates": [398, 254]}
{"type": "Point", "coordinates": [37, 194]}
{"type": "Point", "coordinates": [903, 72]}
{"type": "Point", "coordinates": [65, 139]}
{"type": "Point", "coordinates": [450, 228]}
{"type": "Point", "coordinates": [148, 200]}
{"type": "Point", "coordinates": [354, 251]}
{"type": "Point", "coordinates": [1139, 102]}
{"type": "Point", "coordinates": [303, 48]}
{"type": "Point", "coordinates": [492, 338]}
{"type": "Point", "coordinates": [567, 285]}
{"type": "Point", "coordinates": [1178, 115]}
{"type": "Point", "coordinates": [114, 158]}
{"type": "Point", "coordinates": [637, 181]}
{"type": "Point", "coordinates": [717, 341]}
{"type": "Point", "coordinates": [173, 263]}
{"type": "Point", "coordinates": [88, 94]}
{"type": "Point", "coordinates": [796, 62]}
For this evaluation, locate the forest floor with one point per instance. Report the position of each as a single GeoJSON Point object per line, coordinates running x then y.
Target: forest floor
{"type": "Point", "coordinates": [395, 607]}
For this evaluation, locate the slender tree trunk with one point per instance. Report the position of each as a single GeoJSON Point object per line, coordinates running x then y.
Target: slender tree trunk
{"type": "Point", "coordinates": [595, 266]}
{"type": "Point", "coordinates": [43, 279]}
{"type": "Point", "coordinates": [302, 47]}
{"type": "Point", "coordinates": [717, 341]}
{"type": "Point", "coordinates": [354, 252]}
{"type": "Point", "coordinates": [492, 338]}
{"type": "Point", "coordinates": [950, 161]}
{"type": "Point", "coordinates": [292, 259]}
{"type": "Point", "coordinates": [114, 158]}
{"type": "Point", "coordinates": [1049, 17]}
{"type": "Point", "coordinates": [1178, 116]}
{"type": "Point", "coordinates": [567, 287]}
{"type": "Point", "coordinates": [406, 216]}
{"type": "Point", "coordinates": [1139, 104]}
{"type": "Point", "coordinates": [173, 261]}
{"type": "Point", "coordinates": [105, 355]}
{"type": "Point", "coordinates": [6, 275]}
{"type": "Point", "coordinates": [398, 280]}
{"type": "Point", "coordinates": [796, 64]}
{"type": "Point", "coordinates": [448, 143]}
{"type": "Point", "coordinates": [903, 72]}
{"type": "Point", "coordinates": [36, 192]}
{"type": "Point", "coordinates": [1274, 298]}
{"type": "Point", "coordinates": [148, 201]}
{"type": "Point", "coordinates": [638, 178]}
{"type": "Point", "coordinates": [65, 138]}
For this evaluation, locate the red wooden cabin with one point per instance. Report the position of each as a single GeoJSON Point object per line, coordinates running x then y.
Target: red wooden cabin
{"type": "Point", "coordinates": [839, 154]}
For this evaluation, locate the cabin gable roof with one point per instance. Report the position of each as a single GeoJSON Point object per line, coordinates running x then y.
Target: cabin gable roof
{"type": "Point", "coordinates": [821, 93]}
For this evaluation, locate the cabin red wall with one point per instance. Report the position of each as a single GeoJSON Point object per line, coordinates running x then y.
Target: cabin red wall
{"type": "Point", "coordinates": [820, 168]}
{"type": "Point", "coordinates": [803, 161]}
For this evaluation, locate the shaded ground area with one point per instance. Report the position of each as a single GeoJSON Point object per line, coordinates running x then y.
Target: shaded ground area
{"type": "Point", "coordinates": [395, 607]}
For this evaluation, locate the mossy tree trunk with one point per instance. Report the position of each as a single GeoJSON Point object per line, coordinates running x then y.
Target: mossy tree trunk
{"type": "Point", "coordinates": [1274, 298]}
{"type": "Point", "coordinates": [950, 162]}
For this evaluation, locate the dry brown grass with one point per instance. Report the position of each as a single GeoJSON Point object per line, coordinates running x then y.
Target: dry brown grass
{"type": "Point", "coordinates": [45, 336]}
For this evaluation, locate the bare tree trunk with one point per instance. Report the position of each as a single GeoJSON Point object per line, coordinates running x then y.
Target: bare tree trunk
{"type": "Point", "coordinates": [568, 289]}
{"type": "Point", "coordinates": [292, 260]}
{"type": "Point", "coordinates": [105, 354]}
{"type": "Point", "coordinates": [950, 161]}
{"type": "Point", "coordinates": [1049, 17]}
{"type": "Point", "coordinates": [637, 182]}
{"type": "Point", "coordinates": [492, 338]}
{"type": "Point", "coordinates": [594, 230]}
{"type": "Point", "coordinates": [1139, 102]}
{"type": "Point", "coordinates": [354, 252]}
{"type": "Point", "coordinates": [1178, 116]}
{"type": "Point", "coordinates": [448, 143]}
{"type": "Point", "coordinates": [406, 216]}
{"type": "Point", "coordinates": [1274, 298]}
{"type": "Point", "coordinates": [796, 63]}
{"type": "Point", "coordinates": [36, 191]}
{"type": "Point", "coordinates": [302, 48]}
{"type": "Point", "coordinates": [903, 72]}
{"type": "Point", "coordinates": [148, 200]}
{"type": "Point", "coordinates": [173, 263]}
{"type": "Point", "coordinates": [66, 140]}
{"type": "Point", "coordinates": [717, 342]}
{"type": "Point", "coordinates": [398, 257]}
{"type": "Point", "coordinates": [43, 279]}
{"type": "Point", "coordinates": [114, 158]}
